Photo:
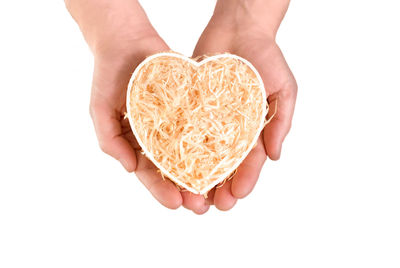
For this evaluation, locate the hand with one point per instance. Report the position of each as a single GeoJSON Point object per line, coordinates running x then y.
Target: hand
{"type": "Point", "coordinates": [119, 45]}
{"type": "Point", "coordinates": [254, 42]}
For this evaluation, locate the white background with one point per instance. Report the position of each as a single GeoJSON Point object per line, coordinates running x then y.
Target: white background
{"type": "Point", "coordinates": [333, 200]}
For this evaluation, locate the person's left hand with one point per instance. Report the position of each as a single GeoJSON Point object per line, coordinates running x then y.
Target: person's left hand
{"type": "Point", "coordinates": [261, 50]}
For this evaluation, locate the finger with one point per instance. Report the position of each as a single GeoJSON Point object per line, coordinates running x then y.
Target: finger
{"type": "Point", "coordinates": [109, 134]}
{"type": "Point", "coordinates": [194, 202]}
{"type": "Point", "coordinates": [162, 189]}
{"type": "Point", "coordinates": [223, 198]}
{"type": "Point", "coordinates": [281, 89]}
{"type": "Point", "coordinates": [248, 172]}
{"type": "Point", "coordinates": [276, 131]}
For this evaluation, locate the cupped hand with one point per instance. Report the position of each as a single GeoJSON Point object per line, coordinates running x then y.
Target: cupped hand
{"type": "Point", "coordinates": [260, 48]}
{"type": "Point", "coordinates": [113, 68]}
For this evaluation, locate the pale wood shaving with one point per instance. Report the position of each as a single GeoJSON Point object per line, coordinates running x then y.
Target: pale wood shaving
{"type": "Point", "coordinates": [196, 121]}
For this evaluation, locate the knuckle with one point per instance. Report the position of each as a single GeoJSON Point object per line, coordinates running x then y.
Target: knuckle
{"type": "Point", "coordinates": [295, 88]}
{"type": "Point", "coordinates": [95, 106]}
{"type": "Point", "coordinates": [92, 110]}
{"type": "Point", "coordinates": [105, 148]}
{"type": "Point", "coordinates": [290, 89]}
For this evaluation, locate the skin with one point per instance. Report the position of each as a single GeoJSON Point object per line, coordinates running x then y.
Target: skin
{"type": "Point", "coordinates": [254, 40]}
{"type": "Point", "coordinates": [120, 36]}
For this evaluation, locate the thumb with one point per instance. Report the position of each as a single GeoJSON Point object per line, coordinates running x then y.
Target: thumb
{"type": "Point", "coordinates": [109, 134]}
{"type": "Point", "coordinates": [283, 103]}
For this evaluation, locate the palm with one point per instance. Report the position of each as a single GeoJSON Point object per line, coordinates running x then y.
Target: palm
{"type": "Point", "coordinates": [280, 87]}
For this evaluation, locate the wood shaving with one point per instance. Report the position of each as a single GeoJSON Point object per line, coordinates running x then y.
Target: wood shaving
{"type": "Point", "coordinates": [197, 121]}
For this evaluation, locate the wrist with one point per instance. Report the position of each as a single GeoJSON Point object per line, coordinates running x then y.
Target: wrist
{"type": "Point", "coordinates": [122, 43]}
{"type": "Point", "coordinates": [110, 25]}
{"type": "Point", "coordinates": [260, 16]}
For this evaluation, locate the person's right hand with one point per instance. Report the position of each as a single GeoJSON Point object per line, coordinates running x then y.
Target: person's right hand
{"type": "Point", "coordinates": [120, 37]}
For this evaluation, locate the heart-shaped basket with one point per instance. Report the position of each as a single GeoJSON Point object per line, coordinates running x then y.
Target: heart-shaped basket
{"type": "Point", "coordinates": [196, 121]}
